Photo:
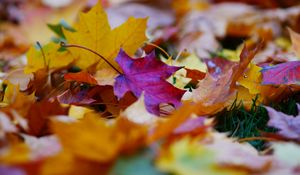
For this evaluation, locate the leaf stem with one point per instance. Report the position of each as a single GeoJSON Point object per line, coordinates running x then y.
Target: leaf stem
{"type": "Point", "coordinates": [158, 47]}
{"type": "Point", "coordinates": [256, 138]}
{"type": "Point", "coordinates": [43, 54]}
{"type": "Point", "coordinates": [94, 52]}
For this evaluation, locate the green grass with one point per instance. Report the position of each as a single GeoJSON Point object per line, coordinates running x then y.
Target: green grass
{"type": "Point", "coordinates": [240, 123]}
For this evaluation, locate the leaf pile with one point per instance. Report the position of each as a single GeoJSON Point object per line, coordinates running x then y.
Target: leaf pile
{"type": "Point", "coordinates": [183, 87]}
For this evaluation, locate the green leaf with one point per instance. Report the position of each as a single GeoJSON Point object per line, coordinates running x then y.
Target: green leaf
{"type": "Point", "coordinates": [58, 29]}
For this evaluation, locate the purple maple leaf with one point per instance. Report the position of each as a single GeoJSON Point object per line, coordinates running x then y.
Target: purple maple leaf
{"type": "Point", "coordinates": [148, 75]}
{"type": "Point", "coordinates": [284, 73]}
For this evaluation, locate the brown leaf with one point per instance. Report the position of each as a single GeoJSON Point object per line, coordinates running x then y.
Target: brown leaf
{"type": "Point", "coordinates": [39, 114]}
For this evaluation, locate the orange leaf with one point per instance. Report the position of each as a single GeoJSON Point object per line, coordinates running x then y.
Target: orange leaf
{"type": "Point", "coordinates": [82, 76]}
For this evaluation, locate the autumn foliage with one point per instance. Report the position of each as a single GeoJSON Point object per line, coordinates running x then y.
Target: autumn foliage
{"type": "Point", "coordinates": [139, 88]}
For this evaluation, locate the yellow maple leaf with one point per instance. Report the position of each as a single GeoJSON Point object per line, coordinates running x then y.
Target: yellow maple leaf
{"type": "Point", "coordinates": [52, 58]}
{"type": "Point", "coordinates": [94, 32]}
{"type": "Point", "coordinates": [252, 79]}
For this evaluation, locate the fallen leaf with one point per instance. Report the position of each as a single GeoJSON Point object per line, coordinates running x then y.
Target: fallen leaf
{"type": "Point", "coordinates": [246, 56]}
{"type": "Point", "coordinates": [47, 57]}
{"type": "Point", "coordinates": [94, 133]}
{"type": "Point", "coordinates": [93, 31]}
{"type": "Point", "coordinates": [147, 75]}
{"type": "Point", "coordinates": [82, 76]}
{"type": "Point", "coordinates": [252, 79]}
{"type": "Point", "coordinates": [288, 125]}
{"type": "Point", "coordinates": [72, 165]}
{"type": "Point", "coordinates": [222, 88]}
{"type": "Point", "coordinates": [91, 134]}
{"type": "Point", "coordinates": [38, 116]}
{"type": "Point", "coordinates": [285, 73]}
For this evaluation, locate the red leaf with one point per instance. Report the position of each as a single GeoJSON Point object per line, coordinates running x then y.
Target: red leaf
{"type": "Point", "coordinates": [82, 76]}
{"type": "Point", "coordinates": [284, 73]}
{"type": "Point", "coordinates": [194, 74]}
{"type": "Point", "coordinates": [147, 75]}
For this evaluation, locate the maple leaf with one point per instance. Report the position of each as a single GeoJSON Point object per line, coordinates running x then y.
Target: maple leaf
{"type": "Point", "coordinates": [147, 74]}
{"type": "Point", "coordinates": [285, 73]}
{"type": "Point", "coordinates": [87, 130]}
{"type": "Point", "coordinates": [222, 87]}
{"type": "Point", "coordinates": [93, 133]}
{"type": "Point", "coordinates": [47, 57]}
{"type": "Point", "coordinates": [288, 125]}
{"type": "Point", "coordinates": [251, 80]}
{"type": "Point", "coordinates": [93, 31]}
